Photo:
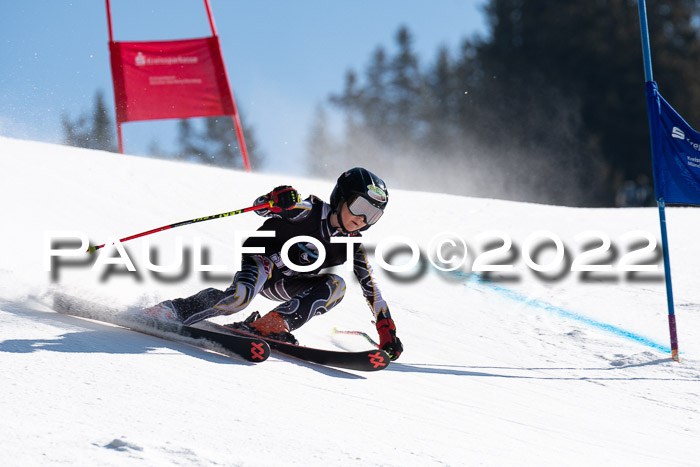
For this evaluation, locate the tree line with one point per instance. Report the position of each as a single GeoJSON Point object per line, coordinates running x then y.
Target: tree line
{"type": "Point", "coordinates": [549, 107]}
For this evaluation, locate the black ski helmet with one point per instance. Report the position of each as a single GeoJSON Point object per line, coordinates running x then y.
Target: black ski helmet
{"type": "Point", "coordinates": [358, 182]}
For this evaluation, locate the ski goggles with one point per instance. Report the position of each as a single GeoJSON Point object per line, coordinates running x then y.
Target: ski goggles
{"type": "Point", "coordinates": [359, 206]}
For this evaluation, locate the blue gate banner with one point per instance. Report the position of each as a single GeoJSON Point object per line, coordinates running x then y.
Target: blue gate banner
{"type": "Point", "coordinates": [675, 150]}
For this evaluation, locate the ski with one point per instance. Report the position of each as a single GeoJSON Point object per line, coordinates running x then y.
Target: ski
{"type": "Point", "coordinates": [250, 348]}
{"type": "Point", "coordinates": [368, 360]}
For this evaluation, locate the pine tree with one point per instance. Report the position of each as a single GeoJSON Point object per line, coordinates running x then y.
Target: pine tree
{"type": "Point", "coordinates": [103, 134]}
{"type": "Point", "coordinates": [441, 107]}
{"type": "Point", "coordinates": [95, 132]}
{"type": "Point", "coordinates": [373, 105]}
{"type": "Point", "coordinates": [406, 92]}
{"type": "Point", "coordinates": [189, 145]}
{"type": "Point", "coordinates": [322, 153]}
{"type": "Point", "coordinates": [215, 142]}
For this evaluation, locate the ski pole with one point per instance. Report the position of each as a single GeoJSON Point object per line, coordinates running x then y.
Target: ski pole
{"type": "Point", "coordinates": [191, 221]}
{"type": "Point", "coordinates": [356, 333]}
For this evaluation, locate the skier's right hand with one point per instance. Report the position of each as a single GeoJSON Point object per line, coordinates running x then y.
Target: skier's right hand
{"type": "Point", "coordinates": [387, 338]}
{"type": "Point", "coordinates": [283, 198]}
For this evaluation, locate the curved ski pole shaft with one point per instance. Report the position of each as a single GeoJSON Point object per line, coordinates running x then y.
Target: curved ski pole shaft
{"type": "Point", "coordinates": [180, 224]}
{"type": "Point", "coordinates": [356, 333]}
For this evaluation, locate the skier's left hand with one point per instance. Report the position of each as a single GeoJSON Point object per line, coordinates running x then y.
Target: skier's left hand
{"type": "Point", "coordinates": [387, 338]}
{"type": "Point", "coordinates": [283, 198]}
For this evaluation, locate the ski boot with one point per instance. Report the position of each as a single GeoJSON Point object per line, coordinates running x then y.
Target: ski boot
{"type": "Point", "coordinates": [272, 326]}
{"type": "Point", "coordinates": [163, 311]}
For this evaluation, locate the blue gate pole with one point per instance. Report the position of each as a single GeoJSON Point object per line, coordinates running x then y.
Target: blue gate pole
{"type": "Point", "coordinates": [669, 288]}
{"type": "Point", "coordinates": [660, 202]}
{"type": "Point", "coordinates": [646, 51]}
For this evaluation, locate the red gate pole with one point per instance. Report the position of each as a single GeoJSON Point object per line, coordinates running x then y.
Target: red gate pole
{"type": "Point", "coordinates": [211, 17]}
{"type": "Point", "coordinates": [109, 22]}
{"type": "Point", "coordinates": [120, 139]}
{"type": "Point", "coordinates": [235, 117]}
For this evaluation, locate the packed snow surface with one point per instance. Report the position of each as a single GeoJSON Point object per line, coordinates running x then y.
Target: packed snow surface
{"type": "Point", "coordinates": [516, 367]}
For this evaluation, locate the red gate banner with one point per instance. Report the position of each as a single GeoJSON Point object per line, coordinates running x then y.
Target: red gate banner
{"type": "Point", "coordinates": [170, 79]}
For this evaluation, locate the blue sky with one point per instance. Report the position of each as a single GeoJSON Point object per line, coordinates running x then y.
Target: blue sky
{"type": "Point", "coordinates": [283, 58]}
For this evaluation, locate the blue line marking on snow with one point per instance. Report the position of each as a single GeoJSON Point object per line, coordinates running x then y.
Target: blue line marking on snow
{"type": "Point", "coordinates": [541, 305]}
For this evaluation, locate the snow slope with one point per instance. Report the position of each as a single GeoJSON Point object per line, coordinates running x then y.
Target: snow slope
{"type": "Point", "coordinates": [523, 369]}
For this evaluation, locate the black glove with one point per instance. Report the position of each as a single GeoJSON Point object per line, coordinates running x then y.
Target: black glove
{"type": "Point", "coordinates": [387, 338]}
{"type": "Point", "coordinates": [283, 198]}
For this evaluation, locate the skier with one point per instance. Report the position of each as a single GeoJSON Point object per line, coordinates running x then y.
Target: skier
{"type": "Point", "coordinates": [357, 202]}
